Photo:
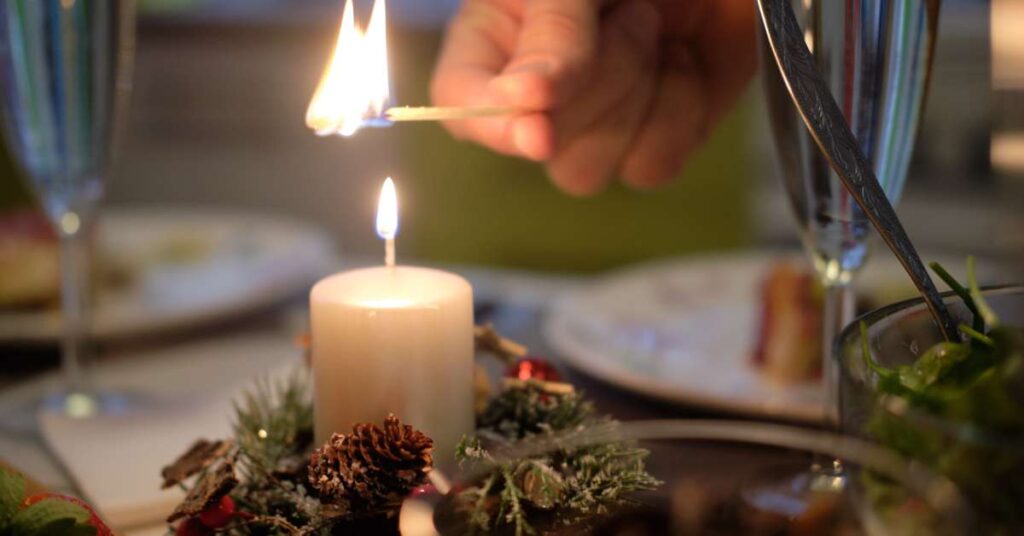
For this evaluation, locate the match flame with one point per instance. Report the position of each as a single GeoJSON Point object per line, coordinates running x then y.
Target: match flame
{"type": "Point", "coordinates": [387, 211]}
{"type": "Point", "coordinates": [355, 86]}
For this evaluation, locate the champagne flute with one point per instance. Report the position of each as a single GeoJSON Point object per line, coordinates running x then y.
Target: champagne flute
{"type": "Point", "coordinates": [876, 57]}
{"type": "Point", "coordinates": [65, 81]}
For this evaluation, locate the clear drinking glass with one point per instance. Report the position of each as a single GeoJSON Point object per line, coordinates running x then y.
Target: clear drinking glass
{"type": "Point", "coordinates": [875, 55]}
{"type": "Point", "coordinates": [986, 464]}
{"type": "Point", "coordinates": [65, 80]}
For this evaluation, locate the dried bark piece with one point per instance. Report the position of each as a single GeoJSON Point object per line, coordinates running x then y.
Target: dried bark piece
{"type": "Point", "coordinates": [199, 456]}
{"type": "Point", "coordinates": [209, 489]}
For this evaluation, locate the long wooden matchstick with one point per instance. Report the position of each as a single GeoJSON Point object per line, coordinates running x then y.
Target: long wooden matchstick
{"type": "Point", "coordinates": [428, 113]}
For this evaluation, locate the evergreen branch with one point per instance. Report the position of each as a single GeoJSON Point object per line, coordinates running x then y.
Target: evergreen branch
{"type": "Point", "coordinates": [479, 518]}
{"type": "Point", "coordinates": [560, 458]}
{"type": "Point", "coordinates": [511, 508]}
{"type": "Point", "coordinates": [538, 451]}
{"type": "Point", "coordinates": [273, 422]}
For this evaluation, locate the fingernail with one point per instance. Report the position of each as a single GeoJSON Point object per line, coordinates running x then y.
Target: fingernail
{"type": "Point", "coordinates": [512, 81]}
{"type": "Point", "coordinates": [520, 138]}
{"type": "Point", "coordinates": [530, 141]}
{"type": "Point", "coordinates": [504, 83]}
{"type": "Point", "coordinates": [510, 86]}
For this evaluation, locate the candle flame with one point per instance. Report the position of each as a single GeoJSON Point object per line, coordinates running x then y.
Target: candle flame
{"type": "Point", "coordinates": [355, 87]}
{"type": "Point", "coordinates": [387, 211]}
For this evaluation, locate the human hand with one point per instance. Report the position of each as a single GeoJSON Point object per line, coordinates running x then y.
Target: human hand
{"type": "Point", "coordinates": [607, 88]}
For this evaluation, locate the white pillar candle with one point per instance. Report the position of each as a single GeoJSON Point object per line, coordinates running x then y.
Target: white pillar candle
{"type": "Point", "coordinates": [394, 339]}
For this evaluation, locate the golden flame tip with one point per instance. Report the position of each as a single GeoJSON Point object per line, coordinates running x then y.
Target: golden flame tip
{"type": "Point", "coordinates": [387, 211]}
{"type": "Point", "coordinates": [355, 86]}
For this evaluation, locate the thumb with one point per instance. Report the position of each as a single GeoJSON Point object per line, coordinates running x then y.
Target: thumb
{"type": "Point", "coordinates": [554, 53]}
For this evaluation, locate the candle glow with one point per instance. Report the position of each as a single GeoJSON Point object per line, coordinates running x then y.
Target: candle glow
{"type": "Point", "coordinates": [387, 211]}
{"type": "Point", "coordinates": [355, 88]}
{"type": "Point", "coordinates": [387, 219]}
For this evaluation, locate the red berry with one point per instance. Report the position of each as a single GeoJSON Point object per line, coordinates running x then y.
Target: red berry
{"type": "Point", "coordinates": [533, 368]}
{"type": "Point", "coordinates": [94, 519]}
{"type": "Point", "coordinates": [423, 491]}
{"type": "Point", "coordinates": [191, 527]}
{"type": "Point", "coordinates": [218, 515]}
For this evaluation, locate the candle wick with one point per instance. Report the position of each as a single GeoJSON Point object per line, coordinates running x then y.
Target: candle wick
{"type": "Point", "coordinates": [389, 252]}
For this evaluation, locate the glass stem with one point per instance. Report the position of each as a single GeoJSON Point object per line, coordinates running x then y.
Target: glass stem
{"type": "Point", "coordinates": [75, 266]}
{"type": "Point", "coordinates": [839, 311]}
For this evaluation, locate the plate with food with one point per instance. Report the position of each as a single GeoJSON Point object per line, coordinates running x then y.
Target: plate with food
{"type": "Point", "coordinates": [158, 270]}
{"type": "Point", "coordinates": [737, 332]}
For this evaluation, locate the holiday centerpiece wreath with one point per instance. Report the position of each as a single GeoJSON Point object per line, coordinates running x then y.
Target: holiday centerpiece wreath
{"type": "Point", "coordinates": [270, 478]}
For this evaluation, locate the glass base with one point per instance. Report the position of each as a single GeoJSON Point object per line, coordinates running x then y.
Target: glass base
{"type": "Point", "coordinates": [793, 491]}
{"type": "Point", "coordinates": [86, 405]}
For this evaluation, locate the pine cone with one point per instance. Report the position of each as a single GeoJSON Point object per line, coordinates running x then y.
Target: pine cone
{"type": "Point", "coordinates": [371, 470]}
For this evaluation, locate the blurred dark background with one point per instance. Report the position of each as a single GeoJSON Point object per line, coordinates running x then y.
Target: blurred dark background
{"type": "Point", "coordinates": [221, 87]}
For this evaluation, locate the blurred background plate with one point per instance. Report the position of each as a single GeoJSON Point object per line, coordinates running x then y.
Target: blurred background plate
{"type": "Point", "coordinates": [162, 270]}
{"type": "Point", "coordinates": [685, 330]}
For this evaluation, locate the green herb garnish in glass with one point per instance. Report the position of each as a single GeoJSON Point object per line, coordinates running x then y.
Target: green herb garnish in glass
{"type": "Point", "coordinates": [959, 407]}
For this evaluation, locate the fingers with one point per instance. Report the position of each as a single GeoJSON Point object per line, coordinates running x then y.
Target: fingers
{"type": "Point", "coordinates": [720, 36]}
{"type": "Point", "coordinates": [595, 130]}
{"type": "Point", "coordinates": [588, 164]}
{"type": "Point", "coordinates": [580, 72]}
{"type": "Point", "coordinates": [554, 52]}
{"type": "Point", "coordinates": [676, 125]}
{"type": "Point", "coordinates": [478, 45]}
{"type": "Point", "coordinates": [552, 61]}
{"type": "Point", "coordinates": [530, 55]}
{"type": "Point", "coordinates": [727, 47]}
{"type": "Point", "coordinates": [526, 135]}
{"type": "Point", "coordinates": [704, 72]}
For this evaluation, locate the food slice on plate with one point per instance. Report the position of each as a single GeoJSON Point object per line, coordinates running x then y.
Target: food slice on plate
{"type": "Point", "coordinates": [29, 267]}
{"type": "Point", "coordinates": [789, 344]}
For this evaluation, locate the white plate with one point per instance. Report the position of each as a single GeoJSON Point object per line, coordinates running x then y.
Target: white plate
{"type": "Point", "coordinates": [684, 330]}
{"type": "Point", "coordinates": [187, 268]}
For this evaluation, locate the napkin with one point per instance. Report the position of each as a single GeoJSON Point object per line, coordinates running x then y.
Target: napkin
{"type": "Point", "coordinates": [179, 394]}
